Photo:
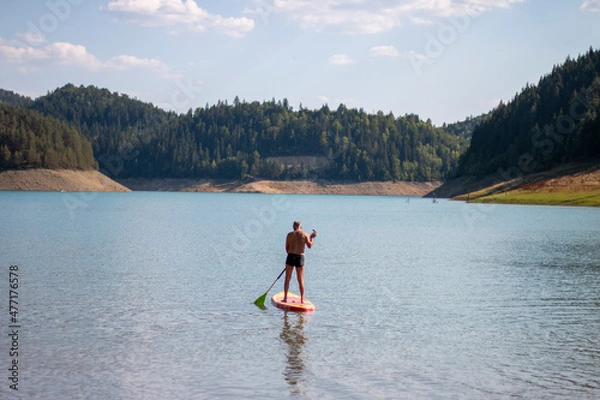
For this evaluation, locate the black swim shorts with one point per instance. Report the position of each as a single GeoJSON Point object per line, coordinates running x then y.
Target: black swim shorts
{"type": "Point", "coordinates": [295, 260]}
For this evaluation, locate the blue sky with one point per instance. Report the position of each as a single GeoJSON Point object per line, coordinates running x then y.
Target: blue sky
{"type": "Point", "coordinates": [441, 59]}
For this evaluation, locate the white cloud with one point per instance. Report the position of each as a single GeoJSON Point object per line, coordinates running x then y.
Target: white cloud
{"type": "Point", "coordinates": [31, 59]}
{"type": "Point", "coordinates": [31, 38]}
{"type": "Point", "coordinates": [384, 51]}
{"type": "Point", "coordinates": [376, 16]}
{"type": "Point", "coordinates": [591, 5]}
{"type": "Point", "coordinates": [71, 54]}
{"type": "Point", "coordinates": [180, 13]}
{"type": "Point", "coordinates": [445, 8]}
{"type": "Point", "coordinates": [421, 21]}
{"type": "Point", "coordinates": [340, 59]}
{"type": "Point", "coordinates": [124, 62]}
{"type": "Point", "coordinates": [350, 16]}
{"type": "Point", "coordinates": [21, 55]}
{"type": "Point", "coordinates": [323, 99]}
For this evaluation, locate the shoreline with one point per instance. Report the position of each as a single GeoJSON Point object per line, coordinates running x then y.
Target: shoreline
{"type": "Point", "coordinates": [567, 186]}
{"type": "Point", "coordinates": [283, 187]}
{"type": "Point", "coordinates": [94, 181]}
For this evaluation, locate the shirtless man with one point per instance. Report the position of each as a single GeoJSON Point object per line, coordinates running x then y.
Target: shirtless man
{"type": "Point", "coordinates": [294, 247]}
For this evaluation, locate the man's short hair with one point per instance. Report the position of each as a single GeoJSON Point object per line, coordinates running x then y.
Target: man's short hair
{"type": "Point", "coordinates": [297, 224]}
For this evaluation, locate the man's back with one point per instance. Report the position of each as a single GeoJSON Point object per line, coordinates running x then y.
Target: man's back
{"type": "Point", "coordinates": [296, 241]}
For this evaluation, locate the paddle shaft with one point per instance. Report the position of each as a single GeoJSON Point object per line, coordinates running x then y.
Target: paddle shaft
{"type": "Point", "coordinates": [271, 287]}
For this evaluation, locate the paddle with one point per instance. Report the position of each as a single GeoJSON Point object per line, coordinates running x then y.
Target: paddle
{"type": "Point", "coordinates": [261, 300]}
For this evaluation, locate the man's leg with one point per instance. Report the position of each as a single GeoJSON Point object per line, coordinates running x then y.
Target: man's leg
{"type": "Point", "coordinates": [300, 275]}
{"type": "Point", "coordinates": [288, 276]}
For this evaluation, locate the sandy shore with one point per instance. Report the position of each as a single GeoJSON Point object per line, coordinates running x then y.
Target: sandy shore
{"type": "Point", "coordinates": [581, 182]}
{"type": "Point", "coordinates": [58, 180]}
{"type": "Point", "coordinates": [284, 187]}
{"type": "Point", "coordinates": [94, 181]}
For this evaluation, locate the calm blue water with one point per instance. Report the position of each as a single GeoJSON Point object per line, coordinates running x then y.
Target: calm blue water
{"type": "Point", "coordinates": [150, 296]}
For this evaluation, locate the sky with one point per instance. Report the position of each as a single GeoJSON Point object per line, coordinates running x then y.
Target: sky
{"type": "Point", "coordinates": [444, 60]}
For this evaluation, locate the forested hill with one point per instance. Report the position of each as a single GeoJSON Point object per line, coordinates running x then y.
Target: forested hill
{"type": "Point", "coordinates": [29, 139]}
{"type": "Point", "coordinates": [136, 139]}
{"type": "Point", "coordinates": [554, 122]}
{"type": "Point", "coordinates": [15, 99]}
{"type": "Point", "coordinates": [466, 127]}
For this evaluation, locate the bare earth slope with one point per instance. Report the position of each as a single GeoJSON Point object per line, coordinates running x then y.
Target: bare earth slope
{"type": "Point", "coordinates": [568, 177]}
{"type": "Point", "coordinates": [284, 187]}
{"type": "Point", "coordinates": [94, 181]}
{"type": "Point", "coordinates": [569, 184]}
{"type": "Point", "coordinates": [575, 184]}
{"type": "Point", "coordinates": [58, 180]}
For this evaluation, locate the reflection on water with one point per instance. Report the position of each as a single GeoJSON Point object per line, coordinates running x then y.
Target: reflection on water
{"type": "Point", "coordinates": [292, 334]}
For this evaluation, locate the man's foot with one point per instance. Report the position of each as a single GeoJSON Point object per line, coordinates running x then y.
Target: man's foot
{"type": "Point", "coordinates": [284, 300]}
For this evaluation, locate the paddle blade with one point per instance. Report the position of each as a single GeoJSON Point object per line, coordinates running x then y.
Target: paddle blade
{"type": "Point", "coordinates": [260, 302]}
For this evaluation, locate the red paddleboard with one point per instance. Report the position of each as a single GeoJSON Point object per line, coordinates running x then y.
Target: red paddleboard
{"type": "Point", "coordinates": [292, 303]}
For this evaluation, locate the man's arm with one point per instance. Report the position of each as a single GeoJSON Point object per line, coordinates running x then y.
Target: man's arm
{"type": "Point", "coordinates": [308, 240]}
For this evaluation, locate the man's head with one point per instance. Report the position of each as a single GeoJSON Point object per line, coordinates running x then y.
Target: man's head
{"type": "Point", "coordinates": [297, 225]}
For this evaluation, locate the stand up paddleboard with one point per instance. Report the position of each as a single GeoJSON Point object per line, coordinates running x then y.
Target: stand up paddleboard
{"type": "Point", "coordinates": [292, 303]}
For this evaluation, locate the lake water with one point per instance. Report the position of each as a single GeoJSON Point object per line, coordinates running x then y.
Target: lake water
{"type": "Point", "coordinates": [150, 296]}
